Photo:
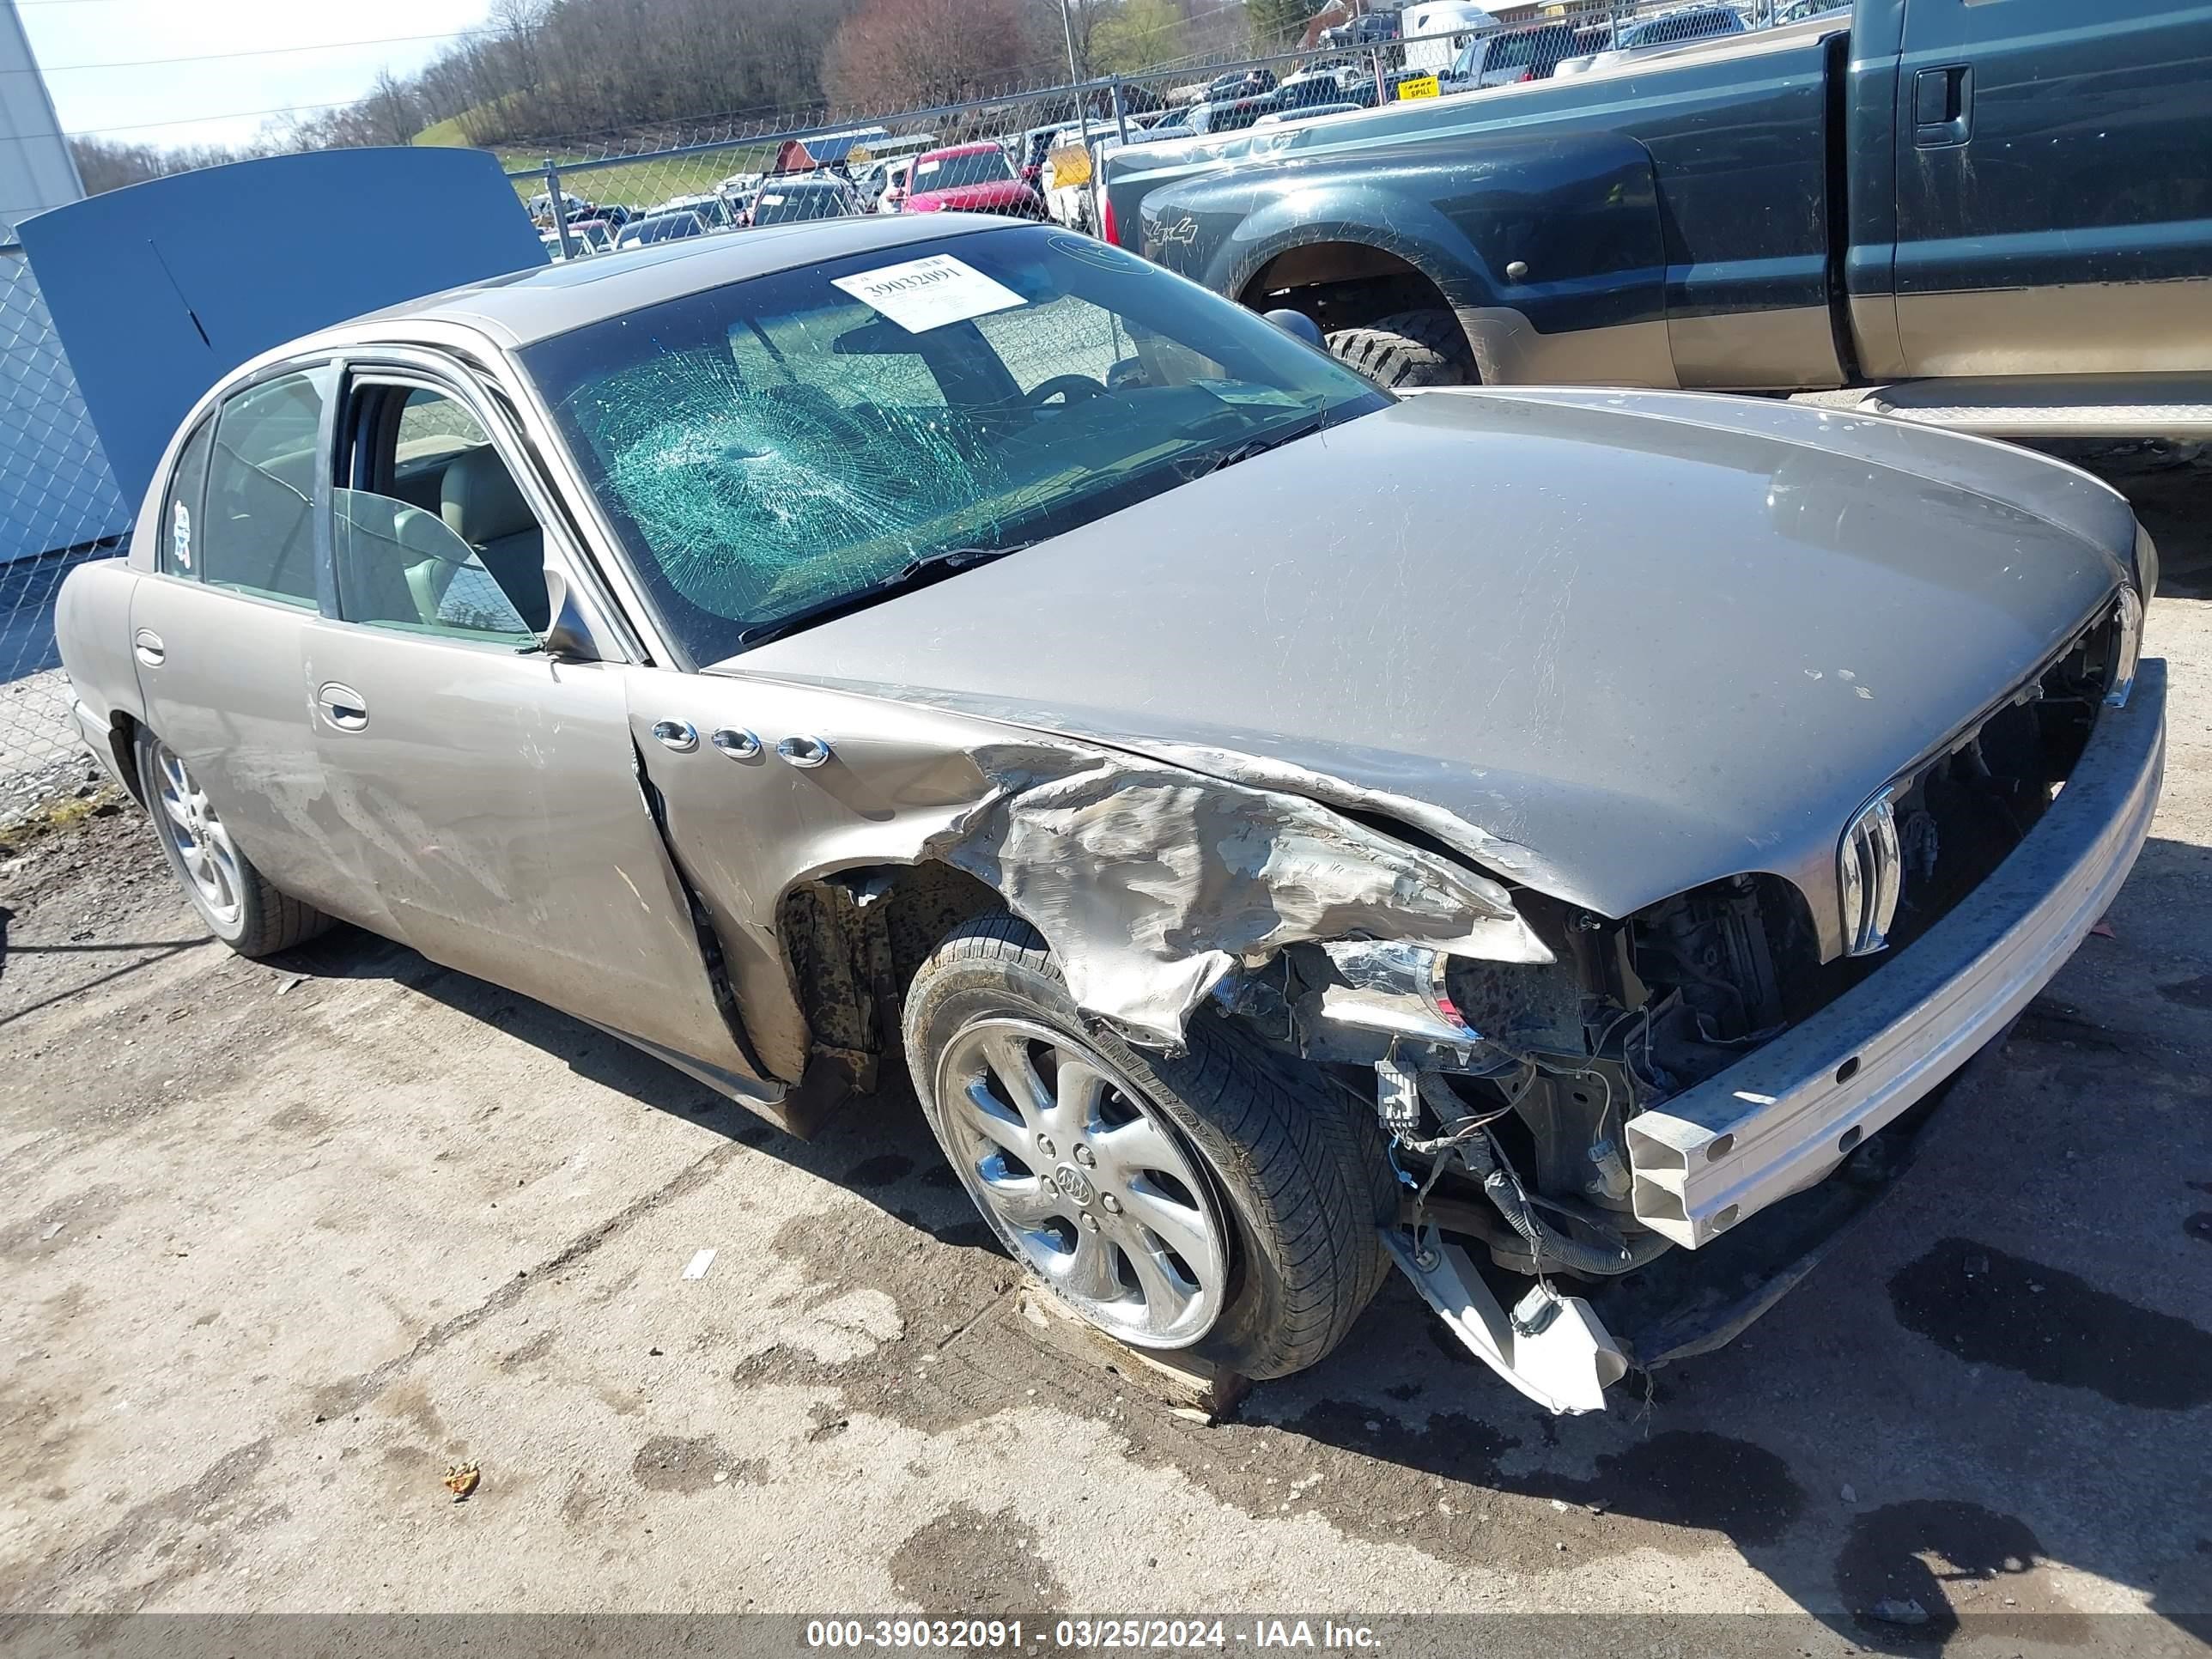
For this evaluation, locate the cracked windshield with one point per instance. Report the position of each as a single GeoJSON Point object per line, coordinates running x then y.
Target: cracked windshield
{"type": "Point", "coordinates": [778, 450]}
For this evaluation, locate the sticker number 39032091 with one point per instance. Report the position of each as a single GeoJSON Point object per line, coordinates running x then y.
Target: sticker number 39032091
{"type": "Point", "coordinates": [920, 295]}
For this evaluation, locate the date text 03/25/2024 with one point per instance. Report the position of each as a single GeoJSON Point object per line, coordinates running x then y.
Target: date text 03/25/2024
{"type": "Point", "coordinates": [1103, 1634]}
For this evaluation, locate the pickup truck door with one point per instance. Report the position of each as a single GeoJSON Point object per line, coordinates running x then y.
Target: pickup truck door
{"type": "Point", "coordinates": [2052, 212]}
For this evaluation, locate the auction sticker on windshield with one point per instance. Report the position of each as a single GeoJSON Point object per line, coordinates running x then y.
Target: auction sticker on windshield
{"type": "Point", "coordinates": [924, 294]}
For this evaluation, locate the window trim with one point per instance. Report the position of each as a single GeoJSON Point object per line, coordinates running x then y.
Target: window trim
{"type": "Point", "coordinates": [419, 369]}
{"type": "Point", "coordinates": [192, 429]}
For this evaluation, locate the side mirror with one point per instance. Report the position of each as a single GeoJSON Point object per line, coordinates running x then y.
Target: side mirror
{"type": "Point", "coordinates": [1298, 325]}
{"type": "Point", "coordinates": [567, 636]}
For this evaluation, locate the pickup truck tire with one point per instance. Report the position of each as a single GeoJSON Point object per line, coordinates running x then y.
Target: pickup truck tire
{"type": "Point", "coordinates": [1411, 350]}
{"type": "Point", "coordinates": [239, 904]}
{"type": "Point", "coordinates": [1278, 1187]}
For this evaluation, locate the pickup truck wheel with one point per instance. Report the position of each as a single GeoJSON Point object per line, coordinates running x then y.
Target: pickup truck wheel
{"type": "Point", "coordinates": [1413, 349]}
{"type": "Point", "coordinates": [1210, 1202]}
{"type": "Point", "coordinates": [236, 901]}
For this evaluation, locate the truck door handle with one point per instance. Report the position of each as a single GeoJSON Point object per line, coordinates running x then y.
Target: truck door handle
{"type": "Point", "coordinates": [1943, 105]}
{"type": "Point", "coordinates": [342, 707]}
{"type": "Point", "coordinates": [148, 644]}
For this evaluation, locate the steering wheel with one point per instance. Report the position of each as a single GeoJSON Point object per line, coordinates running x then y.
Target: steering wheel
{"type": "Point", "coordinates": [1075, 388]}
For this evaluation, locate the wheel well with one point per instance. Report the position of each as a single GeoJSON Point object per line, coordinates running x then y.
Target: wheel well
{"type": "Point", "coordinates": [853, 943]}
{"type": "Point", "coordinates": [1342, 284]}
{"type": "Point", "coordinates": [122, 738]}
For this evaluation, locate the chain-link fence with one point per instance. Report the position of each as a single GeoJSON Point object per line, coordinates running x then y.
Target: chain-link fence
{"type": "Point", "coordinates": [589, 198]}
{"type": "Point", "coordinates": [58, 503]}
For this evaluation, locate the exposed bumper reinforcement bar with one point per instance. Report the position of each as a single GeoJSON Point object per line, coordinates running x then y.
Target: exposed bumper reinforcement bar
{"type": "Point", "coordinates": [1785, 1116]}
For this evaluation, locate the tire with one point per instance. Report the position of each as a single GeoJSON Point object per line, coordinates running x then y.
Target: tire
{"type": "Point", "coordinates": [257, 920]}
{"type": "Point", "coordinates": [1412, 349]}
{"type": "Point", "coordinates": [1292, 1184]}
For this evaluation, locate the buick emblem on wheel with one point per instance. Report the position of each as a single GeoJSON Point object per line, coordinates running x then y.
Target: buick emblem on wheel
{"type": "Point", "coordinates": [1073, 1181]}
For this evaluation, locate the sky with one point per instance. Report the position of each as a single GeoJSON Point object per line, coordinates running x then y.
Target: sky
{"type": "Point", "coordinates": [211, 71]}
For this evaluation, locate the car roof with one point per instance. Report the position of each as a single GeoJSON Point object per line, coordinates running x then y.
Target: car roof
{"type": "Point", "coordinates": [976, 149]}
{"type": "Point", "coordinates": [527, 305]}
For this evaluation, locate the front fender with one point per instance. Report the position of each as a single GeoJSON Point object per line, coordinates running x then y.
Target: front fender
{"type": "Point", "coordinates": [1550, 248]}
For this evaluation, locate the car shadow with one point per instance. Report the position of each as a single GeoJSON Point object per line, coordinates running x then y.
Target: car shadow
{"type": "Point", "coordinates": [870, 1146]}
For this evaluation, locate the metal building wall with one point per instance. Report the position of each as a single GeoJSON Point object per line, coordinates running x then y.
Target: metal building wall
{"type": "Point", "coordinates": [55, 490]}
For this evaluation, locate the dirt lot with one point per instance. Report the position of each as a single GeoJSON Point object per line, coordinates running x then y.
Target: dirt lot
{"type": "Point", "coordinates": [281, 1243]}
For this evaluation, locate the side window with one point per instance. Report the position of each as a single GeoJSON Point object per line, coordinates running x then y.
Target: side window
{"type": "Point", "coordinates": [258, 532]}
{"type": "Point", "coordinates": [447, 545]}
{"type": "Point", "coordinates": [434, 428]}
{"type": "Point", "coordinates": [183, 506]}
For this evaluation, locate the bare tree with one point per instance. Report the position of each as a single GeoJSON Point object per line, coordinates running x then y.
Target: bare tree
{"type": "Point", "coordinates": [904, 54]}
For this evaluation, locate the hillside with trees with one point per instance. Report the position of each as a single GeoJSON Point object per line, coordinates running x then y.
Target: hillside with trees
{"type": "Point", "coordinates": [565, 74]}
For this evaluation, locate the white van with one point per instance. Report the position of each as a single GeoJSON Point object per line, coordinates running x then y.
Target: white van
{"type": "Point", "coordinates": [1452, 18]}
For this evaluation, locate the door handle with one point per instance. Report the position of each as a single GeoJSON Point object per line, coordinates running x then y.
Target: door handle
{"type": "Point", "coordinates": [1943, 105]}
{"type": "Point", "coordinates": [342, 707]}
{"type": "Point", "coordinates": [147, 644]}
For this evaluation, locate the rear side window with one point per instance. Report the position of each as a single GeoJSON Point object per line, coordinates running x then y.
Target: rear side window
{"type": "Point", "coordinates": [1520, 51]}
{"type": "Point", "coordinates": [182, 510]}
{"type": "Point", "coordinates": [259, 534]}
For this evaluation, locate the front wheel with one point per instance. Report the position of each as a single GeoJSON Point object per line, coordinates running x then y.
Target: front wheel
{"type": "Point", "coordinates": [236, 901]}
{"type": "Point", "coordinates": [1212, 1203]}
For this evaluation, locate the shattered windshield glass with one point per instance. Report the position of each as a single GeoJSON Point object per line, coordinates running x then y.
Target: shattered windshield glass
{"type": "Point", "coordinates": [778, 447]}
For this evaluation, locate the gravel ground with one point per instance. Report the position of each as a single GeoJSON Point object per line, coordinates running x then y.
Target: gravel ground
{"type": "Point", "coordinates": [281, 1243]}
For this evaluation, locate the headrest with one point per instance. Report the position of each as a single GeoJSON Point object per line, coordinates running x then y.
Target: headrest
{"type": "Point", "coordinates": [479, 501]}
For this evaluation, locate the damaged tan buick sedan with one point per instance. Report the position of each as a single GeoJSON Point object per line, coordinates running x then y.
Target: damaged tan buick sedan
{"type": "Point", "coordinates": [1558, 842]}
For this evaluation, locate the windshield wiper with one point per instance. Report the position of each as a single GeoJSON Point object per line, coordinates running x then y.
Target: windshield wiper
{"type": "Point", "coordinates": [1259, 446]}
{"type": "Point", "coordinates": [914, 573]}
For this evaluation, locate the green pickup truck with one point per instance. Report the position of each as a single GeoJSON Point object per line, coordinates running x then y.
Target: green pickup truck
{"type": "Point", "coordinates": [1989, 215]}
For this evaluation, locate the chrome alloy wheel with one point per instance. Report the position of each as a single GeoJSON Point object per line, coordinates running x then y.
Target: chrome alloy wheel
{"type": "Point", "coordinates": [1085, 1180]}
{"type": "Point", "coordinates": [202, 845]}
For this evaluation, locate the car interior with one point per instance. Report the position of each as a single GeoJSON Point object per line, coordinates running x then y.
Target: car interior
{"type": "Point", "coordinates": [436, 535]}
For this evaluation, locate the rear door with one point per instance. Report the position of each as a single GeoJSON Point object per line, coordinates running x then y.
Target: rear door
{"type": "Point", "coordinates": [2053, 202]}
{"type": "Point", "coordinates": [216, 630]}
{"type": "Point", "coordinates": [494, 794]}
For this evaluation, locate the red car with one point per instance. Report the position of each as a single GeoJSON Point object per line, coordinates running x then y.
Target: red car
{"type": "Point", "coordinates": [970, 179]}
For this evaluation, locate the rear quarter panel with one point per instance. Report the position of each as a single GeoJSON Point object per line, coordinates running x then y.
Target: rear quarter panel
{"type": "Point", "coordinates": [91, 627]}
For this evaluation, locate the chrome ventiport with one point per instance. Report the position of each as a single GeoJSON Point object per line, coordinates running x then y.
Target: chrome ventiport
{"type": "Point", "coordinates": [1869, 871]}
{"type": "Point", "coordinates": [680, 735]}
{"type": "Point", "coordinates": [804, 751]}
{"type": "Point", "coordinates": [736, 742]}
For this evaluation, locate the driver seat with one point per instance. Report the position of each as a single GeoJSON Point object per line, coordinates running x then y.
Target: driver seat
{"type": "Point", "coordinates": [480, 503]}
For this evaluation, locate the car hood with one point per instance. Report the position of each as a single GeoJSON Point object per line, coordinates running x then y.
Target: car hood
{"type": "Point", "coordinates": [1003, 193]}
{"type": "Point", "coordinates": [1639, 642]}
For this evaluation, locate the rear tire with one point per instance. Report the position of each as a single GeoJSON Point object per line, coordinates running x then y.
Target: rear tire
{"type": "Point", "coordinates": [238, 903]}
{"type": "Point", "coordinates": [1292, 1184]}
{"type": "Point", "coordinates": [1407, 351]}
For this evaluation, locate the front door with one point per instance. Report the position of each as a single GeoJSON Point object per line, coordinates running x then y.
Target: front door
{"type": "Point", "coordinates": [2052, 215]}
{"type": "Point", "coordinates": [494, 792]}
